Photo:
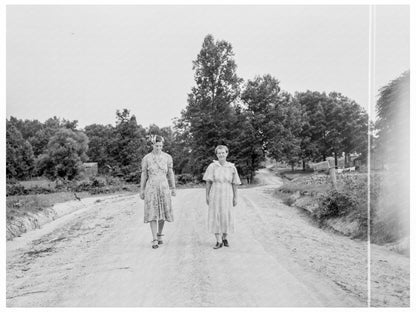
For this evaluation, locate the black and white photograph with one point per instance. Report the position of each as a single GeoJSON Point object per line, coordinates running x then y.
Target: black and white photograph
{"type": "Point", "coordinates": [207, 155]}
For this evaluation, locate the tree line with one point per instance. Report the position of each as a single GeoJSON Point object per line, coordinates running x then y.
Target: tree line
{"type": "Point", "coordinates": [254, 118]}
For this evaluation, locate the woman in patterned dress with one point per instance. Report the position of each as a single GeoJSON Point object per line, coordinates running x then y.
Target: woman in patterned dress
{"type": "Point", "coordinates": [221, 196]}
{"type": "Point", "coordinates": [157, 168]}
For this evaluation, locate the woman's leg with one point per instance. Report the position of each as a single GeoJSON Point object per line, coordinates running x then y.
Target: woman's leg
{"type": "Point", "coordinates": [224, 239]}
{"type": "Point", "coordinates": [153, 228]}
{"type": "Point", "coordinates": [161, 225]}
{"type": "Point", "coordinates": [218, 237]}
{"type": "Point", "coordinates": [219, 241]}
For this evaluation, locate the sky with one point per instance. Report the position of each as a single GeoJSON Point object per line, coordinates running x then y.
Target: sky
{"type": "Point", "coordinates": [86, 62]}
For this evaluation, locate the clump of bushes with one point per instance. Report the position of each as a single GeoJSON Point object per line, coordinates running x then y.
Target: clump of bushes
{"type": "Point", "coordinates": [15, 189]}
{"type": "Point", "coordinates": [184, 178]}
{"type": "Point", "coordinates": [336, 204]}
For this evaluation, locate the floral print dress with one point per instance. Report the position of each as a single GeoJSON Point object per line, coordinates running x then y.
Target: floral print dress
{"type": "Point", "coordinates": [221, 210]}
{"type": "Point", "coordinates": [157, 199]}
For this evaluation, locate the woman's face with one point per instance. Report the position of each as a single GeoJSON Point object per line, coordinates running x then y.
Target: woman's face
{"type": "Point", "coordinates": [157, 147]}
{"type": "Point", "coordinates": [222, 154]}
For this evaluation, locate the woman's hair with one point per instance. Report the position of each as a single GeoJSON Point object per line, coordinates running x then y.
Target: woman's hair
{"type": "Point", "coordinates": [155, 138]}
{"type": "Point", "coordinates": [221, 147]}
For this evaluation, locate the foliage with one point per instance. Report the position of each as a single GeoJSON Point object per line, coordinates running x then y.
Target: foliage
{"type": "Point", "coordinates": [335, 204]}
{"type": "Point", "coordinates": [184, 178]}
{"type": "Point", "coordinates": [129, 144]}
{"type": "Point", "coordinates": [100, 139]}
{"type": "Point", "coordinates": [255, 120]}
{"type": "Point", "coordinates": [272, 123]}
{"type": "Point", "coordinates": [392, 144]}
{"type": "Point", "coordinates": [64, 156]}
{"type": "Point", "coordinates": [209, 116]}
{"type": "Point", "coordinates": [19, 154]}
{"type": "Point", "coordinates": [332, 124]}
{"type": "Point", "coordinates": [393, 123]}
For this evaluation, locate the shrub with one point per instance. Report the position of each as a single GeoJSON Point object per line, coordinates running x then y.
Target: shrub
{"type": "Point", "coordinates": [336, 204]}
{"type": "Point", "coordinates": [15, 189]}
{"type": "Point", "coordinates": [133, 177]}
{"type": "Point", "coordinates": [184, 178]}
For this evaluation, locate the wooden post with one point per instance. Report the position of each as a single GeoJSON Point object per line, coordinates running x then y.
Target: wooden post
{"type": "Point", "coordinates": [332, 174]}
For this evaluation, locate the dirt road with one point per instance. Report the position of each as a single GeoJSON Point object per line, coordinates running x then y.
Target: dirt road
{"type": "Point", "coordinates": [102, 257]}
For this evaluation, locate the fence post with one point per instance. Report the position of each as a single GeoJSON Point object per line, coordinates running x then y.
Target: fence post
{"type": "Point", "coordinates": [332, 175]}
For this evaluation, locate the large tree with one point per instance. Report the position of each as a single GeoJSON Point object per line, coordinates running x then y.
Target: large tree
{"type": "Point", "coordinates": [209, 115]}
{"type": "Point", "coordinates": [100, 139]}
{"type": "Point", "coordinates": [332, 125]}
{"type": "Point", "coordinates": [128, 146]}
{"type": "Point", "coordinates": [273, 121]}
{"type": "Point", "coordinates": [393, 145]}
{"type": "Point", "coordinates": [393, 123]}
{"type": "Point", "coordinates": [65, 154]}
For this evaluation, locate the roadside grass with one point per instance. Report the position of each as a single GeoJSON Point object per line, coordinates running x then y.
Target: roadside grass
{"type": "Point", "coordinates": [20, 205]}
{"type": "Point", "coordinates": [35, 195]}
{"type": "Point", "coordinates": [304, 189]}
{"type": "Point", "coordinates": [348, 204]}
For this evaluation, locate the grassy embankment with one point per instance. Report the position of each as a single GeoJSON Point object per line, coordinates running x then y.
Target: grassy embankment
{"type": "Point", "coordinates": [344, 209]}
{"type": "Point", "coordinates": [28, 197]}
{"type": "Point", "coordinates": [33, 196]}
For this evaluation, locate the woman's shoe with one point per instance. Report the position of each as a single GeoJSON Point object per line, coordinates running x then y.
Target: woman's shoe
{"type": "Point", "coordinates": [225, 242]}
{"type": "Point", "coordinates": [159, 239]}
{"type": "Point", "coordinates": [218, 245]}
{"type": "Point", "coordinates": [154, 244]}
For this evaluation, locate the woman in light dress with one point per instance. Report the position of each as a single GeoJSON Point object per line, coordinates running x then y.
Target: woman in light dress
{"type": "Point", "coordinates": [157, 168]}
{"type": "Point", "coordinates": [221, 195]}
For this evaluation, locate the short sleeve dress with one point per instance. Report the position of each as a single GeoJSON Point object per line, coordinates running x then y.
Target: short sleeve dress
{"type": "Point", "coordinates": [221, 210]}
{"type": "Point", "coordinates": [157, 199]}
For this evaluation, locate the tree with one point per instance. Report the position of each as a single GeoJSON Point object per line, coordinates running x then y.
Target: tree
{"type": "Point", "coordinates": [19, 154]}
{"type": "Point", "coordinates": [247, 152]}
{"type": "Point", "coordinates": [128, 147]}
{"type": "Point", "coordinates": [392, 143]}
{"type": "Point", "coordinates": [287, 125]}
{"type": "Point", "coordinates": [209, 115]}
{"type": "Point", "coordinates": [353, 126]}
{"type": "Point", "coordinates": [65, 154]}
{"type": "Point", "coordinates": [38, 134]}
{"type": "Point", "coordinates": [332, 124]}
{"type": "Point", "coordinates": [181, 150]}
{"type": "Point", "coordinates": [260, 96]}
{"type": "Point", "coordinates": [313, 124]}
{"type": "Point", "coordinates": [393, 123]}
{"type": "Point", "coordinates": [273, 122]}
{"type": "Point", "coordinates": [100, 139]}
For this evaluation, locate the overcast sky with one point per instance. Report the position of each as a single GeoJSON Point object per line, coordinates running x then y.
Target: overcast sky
{"type": "Point", "coordinates": [85, 62]}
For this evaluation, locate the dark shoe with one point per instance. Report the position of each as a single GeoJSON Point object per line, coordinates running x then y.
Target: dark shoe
{"type": "Point", "coordinates": [154, 244]}
{"type": "Point", "coordinates": [159, 239]}
{"type": "Point", "coordinates": [218, 245]}
{"type": "Point", "coordinates": [225, 242]}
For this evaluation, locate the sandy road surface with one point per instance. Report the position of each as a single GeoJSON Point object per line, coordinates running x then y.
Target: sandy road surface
{"type": "Point", "coordinates": [102, 257]}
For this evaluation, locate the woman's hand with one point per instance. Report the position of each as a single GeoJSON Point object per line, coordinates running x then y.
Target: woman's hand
{"type": "Point", "coordinates": [173, 192]}
{"type": "Point", "coordinates": [142, 195]}
{"type": "Point", "coordinates": [234, 201]}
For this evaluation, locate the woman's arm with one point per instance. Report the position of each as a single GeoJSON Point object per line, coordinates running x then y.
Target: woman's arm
{"type": "Point", "coordinates": [143, 179]}
{"type": "Point", "coordinates": [171, 175]}
{"type": "Point", "coordinates": [171, 178]}
{"type": "Point", "coordinates": [235, 194]}
{"type": "Point", "coordinates": [208, 189]}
